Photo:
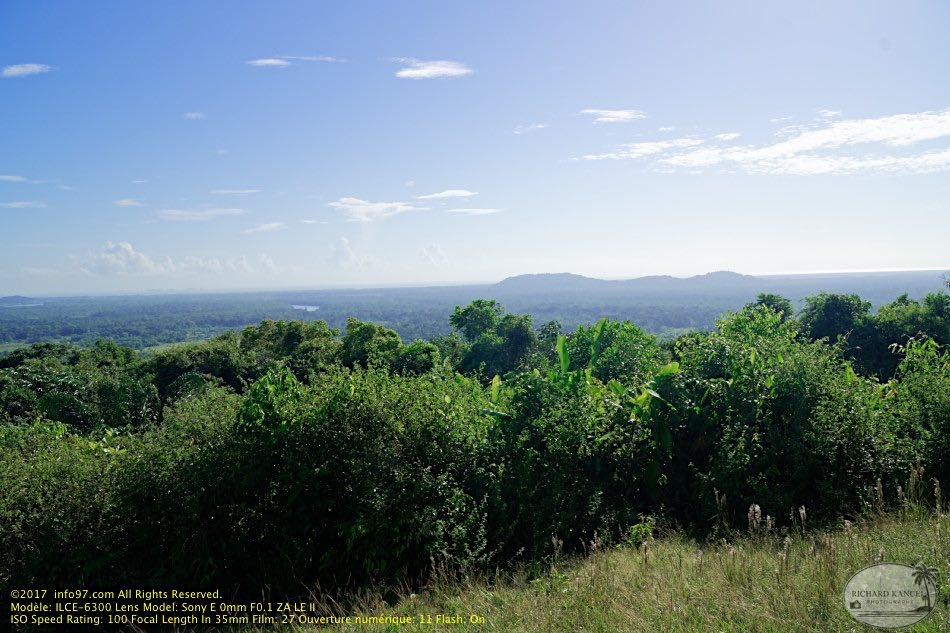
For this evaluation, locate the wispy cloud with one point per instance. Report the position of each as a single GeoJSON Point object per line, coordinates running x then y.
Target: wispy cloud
{"type": "Point", "coordinates": [343, 255]}
{"type": "Point", "coordinates": [314, 221]}
{"type": "Point", "coordinates": [474, 211]}
{"type": "Point", "coordinates": [24, 70]}
{"type": "Point", "coordinates": [233, 192]}
{"type": "Point", "coordinates": [15, 178]}
{"type": "Point", "coordinates": [357, 210]}
{"type": "Point", "coordinates": [127, 202]}
{"type": "Point", "coordinates": [23, 204]}
{"type": "Point", "coordinates": [264, 228]}
{"type": "Point", "coordinates": [282, 61]}
{"type": "Point", "coordinates": [421, 69]}
{"type": "Point", "coordinates": [316, 58]}
{"type": "Point", "coordinates": [828, 114]}
{"type": "Point", "coordinates": [448, 193]}
{"type": "Point", "coordinates": [269, 62]}
{"type": "Point", "coordinates": [197, 215]}
{"type": "Point", "coordinates": [195, 116]}
{"type": "Point", "coordinates": [667, 128]}
{"type": "Point", "coordinates": [636, 150]}
{"type": "Point", "coordinates": [531, 127]}
{"type": "Point", "coordinates": [839, 146]}
{"type": "Point", "coordinates": [614, 116]}
{"type": "Point", "coordinates": [434, 254]}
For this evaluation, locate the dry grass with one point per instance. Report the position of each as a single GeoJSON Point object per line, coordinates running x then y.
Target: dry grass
{"type": "Point", "coordinates": [759, 582]}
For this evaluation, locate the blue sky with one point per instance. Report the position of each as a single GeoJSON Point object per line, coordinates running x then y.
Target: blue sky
{"type": "Point", "coordinates": [228, 145]}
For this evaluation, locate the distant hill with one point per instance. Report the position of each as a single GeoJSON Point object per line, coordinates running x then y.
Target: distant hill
{"type": "Point", "coordinates": [878, 287]}
{"type": "Point", "coordinates": [720, 282]}
{"type": "Point", "coordinates": [16, 301]}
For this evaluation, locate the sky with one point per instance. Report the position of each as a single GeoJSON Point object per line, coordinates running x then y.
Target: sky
{"type": "Point", "coordinates": [226, 145]}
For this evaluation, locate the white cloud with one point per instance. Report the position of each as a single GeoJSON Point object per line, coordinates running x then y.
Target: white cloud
{"type": "Point", "coordinates": [357, 210]}
{"type": "Point", "coordinates": [637, 150]}
{"type": "Point", "coordinates": [314, 221]}
{"type": "Point", "coordinates": [14, 178]}
{"type": "Point", "coordinates": [448, 193]}
{"type": "Point", "coordinates": [839, 146]}
{"type": "Point", "coordinates": [668, 128]}
{"type": "Point", "coordinates": [421, 69]}
{"type": "Point", "coordinates": [269, 62]}
{"type": "Point", "coordinates": [127, 202]}
{"type": "Point", "coordinates": [195, 116]}
{"type": "Point", "coordinates": [282, 61]}
{"type": "Point", "coordinates": [828, 114]}
{"type": "Point", "coordinates": [139, 182]}
{"type": "Point", "coordinates": [614, 116]}
{"type": "Point", "coordinates": [434, 254]}
{"type": "Point", "coordinates": [196, 215]}
{"type": "Point", "coordinates": [263, 228]}
{"type": "Point", "coordinates": [233, 192]}
{"type": "Point", "coordinates": [23, 204]}
{"type": "Point", "coordinates": [342, 255]}
{"type": "Point", "coordinates": [316, 58]}
{"type": "Point", "coordinates": [24, 70]}
{"type": "Point", "coordinates": [120, 258]}
{"type": "Point", "coordinates": [522, 129]}
{"type": "Point", "coordinates": [474, 211]}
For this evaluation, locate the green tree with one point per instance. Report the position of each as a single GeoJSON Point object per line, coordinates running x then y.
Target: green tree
{"type": "Point", "coordinates": [627, 353]}
{"type": "Point", "coordinates": [498, 342]}
{"type": "Point", "coordinates": [776, 303]}
{"type": "Point", "coordinates": [367, 343]}
{"type": "Point", "coordinates": [477, 319]}
{"type": "Point", "coordinates": [828, 315]}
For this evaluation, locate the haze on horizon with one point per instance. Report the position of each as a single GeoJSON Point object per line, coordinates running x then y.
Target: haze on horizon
{"type": "Point", "coordinates": [229, 145]}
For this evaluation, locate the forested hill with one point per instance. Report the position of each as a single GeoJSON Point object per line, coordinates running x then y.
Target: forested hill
{"type": "Point", "coordinates": [561, 282]}
{"type": "Point", "coordinates": [877, 287]}
{"type": "Point", "coordinates": [661, 304]}
{"type": "Point", "coordinates": [16, 301]}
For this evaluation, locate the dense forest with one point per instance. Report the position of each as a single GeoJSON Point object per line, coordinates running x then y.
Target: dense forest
{"type": "Point", "coordinates": [289, 454]}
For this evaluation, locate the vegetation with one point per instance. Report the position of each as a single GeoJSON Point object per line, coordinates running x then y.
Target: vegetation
{"type": "Point", "coordinates": [766, 581]}
{"type": "Point", "coordinates": [289, 455]}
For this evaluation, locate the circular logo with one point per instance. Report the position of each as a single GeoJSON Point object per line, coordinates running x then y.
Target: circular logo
{"type": "Point", "coordinates": [891, 595]}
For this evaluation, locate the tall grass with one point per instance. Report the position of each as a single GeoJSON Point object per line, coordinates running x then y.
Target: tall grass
{"type": "Point", "coordinates": [763, 580]}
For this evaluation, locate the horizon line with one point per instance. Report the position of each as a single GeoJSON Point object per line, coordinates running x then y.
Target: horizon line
{"type": "Point", "coordinates": [409, 285]}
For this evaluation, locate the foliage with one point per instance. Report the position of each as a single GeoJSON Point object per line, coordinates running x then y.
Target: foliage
{"type": "Point", "coordinates": [285, 454]}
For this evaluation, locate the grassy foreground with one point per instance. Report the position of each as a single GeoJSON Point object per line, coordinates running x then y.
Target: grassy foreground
{"type": "Point", "coordinates": [754, 583]}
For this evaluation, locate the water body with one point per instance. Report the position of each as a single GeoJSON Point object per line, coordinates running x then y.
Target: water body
{"type": "Point", "coordinates": [305, 308]}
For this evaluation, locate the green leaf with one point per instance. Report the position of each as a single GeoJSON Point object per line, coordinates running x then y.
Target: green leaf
{"type": "Point", "coordinates": [597, 341]}
{"type": "Point", "coordinates": [562, 354]}
{"type": "Point", "coordinates": [669, 369]}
